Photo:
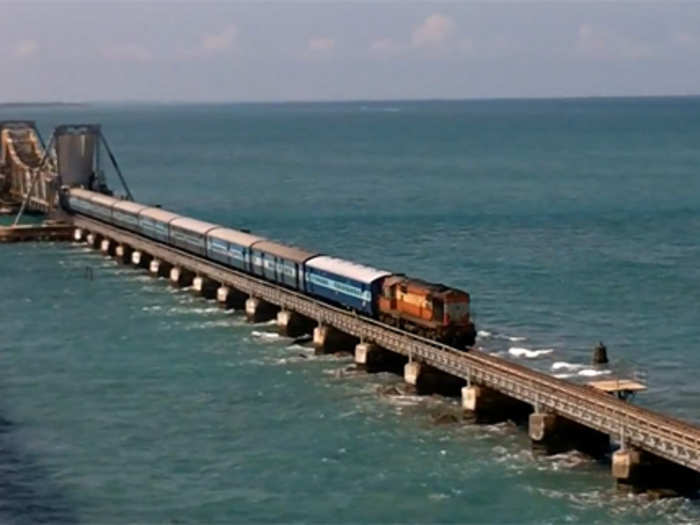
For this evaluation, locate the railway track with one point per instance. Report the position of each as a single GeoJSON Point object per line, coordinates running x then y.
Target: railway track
{"type": "Point", "coordinates": [667, 437]}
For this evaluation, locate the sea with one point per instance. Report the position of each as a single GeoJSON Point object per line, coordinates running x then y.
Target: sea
{"type": "Point", "coordinates": [569, 221]}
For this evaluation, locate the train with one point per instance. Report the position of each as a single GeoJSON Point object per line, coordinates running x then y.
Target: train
{"type": "Point", "coordinates": [428, 309]}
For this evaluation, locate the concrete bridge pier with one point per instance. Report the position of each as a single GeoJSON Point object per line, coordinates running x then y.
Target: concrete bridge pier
{"type": "Point", "coordinates": [327, 339]}
{"type": "Point", "coordinates": [159, 268]}
{"type": "Point", "coordinates": [91, 239]}
{"type": "Point", "coordinates": [204, 286]}
{"type": "Point", "coordinates": [368, 355]}
{"type": "Point", "coordinates": [293, 324]}
{"type": "Point", "coordinates": [412, 372]}
{"type": "Point", "coordinates": [180, 276]}
{"type": "Point", "coordinates": [374, 358]}
{"type": "Point", "coordinates": [429, 380]}
{"type": "Point", "coordinates": [636, 470]}
{"type": "Point", "coordinates": [78, 235]}
{"type": "Point", "coordinates": [258, 311]}
{"type": "Point", "coordinates": [485, 405]}
{"type": "Point", "coordinates": [552, 434]}
{"type": "Point", "coordinates": [141, 259]}
{"type": "Point", "coordinates": [230, 298]}
{"type": "Point", "coordinates": [627, 468]}
{"type": "Point", "coordinates": [107, 246]}
{"type": "Point", "coordinates": [122, 253]}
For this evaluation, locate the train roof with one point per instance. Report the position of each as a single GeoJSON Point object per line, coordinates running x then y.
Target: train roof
{"type": "Point", "coordinates": [94, 196]}
{"type": "Point", "coordinates": [235, 236]}
{"type": "Point", "coordinates": [436, 288]}
{"type": "Point", "coordinates": [193, 225]}
{"type": "Point", "coordinates": [352, 270]}
{"type": "Point", "coordinates": [159, 214]}
{"type": "Point", "coordinates": [298, 255]}
{"type": "Point", "coordinates": [81, 192]}
{"type": "Point", "coordinates": [433, 287]}
{"type": "Point", "coordinates": [130, 206]}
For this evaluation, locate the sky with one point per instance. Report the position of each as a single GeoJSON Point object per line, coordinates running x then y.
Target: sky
{"type": "Point", "coordinates": [331, 50]}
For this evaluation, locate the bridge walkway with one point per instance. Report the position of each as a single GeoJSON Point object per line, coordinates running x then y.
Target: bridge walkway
{"type": "Point", "coordinates": [666, 437]}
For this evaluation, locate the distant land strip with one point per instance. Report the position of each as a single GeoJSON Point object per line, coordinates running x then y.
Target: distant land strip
{"type": "Point", "coordinates": [42, 104]}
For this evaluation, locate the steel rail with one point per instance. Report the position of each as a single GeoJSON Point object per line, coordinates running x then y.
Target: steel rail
{"type": "Point", "coordinates": [664, 436]}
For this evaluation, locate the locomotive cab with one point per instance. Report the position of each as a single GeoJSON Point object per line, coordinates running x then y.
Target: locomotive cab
{"type": "Point", "coordinates": [431, 310]}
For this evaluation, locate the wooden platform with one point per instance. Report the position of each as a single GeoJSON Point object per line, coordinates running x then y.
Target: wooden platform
{"type": "Point", "coordinates": [47, 231]}
{"type": "Point", "coordinates": [622, 388]}
{"type": "Point", "coordinates": [615, 385]}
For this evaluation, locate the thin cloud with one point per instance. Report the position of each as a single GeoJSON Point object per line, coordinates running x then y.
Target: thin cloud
{"type": "Point", "coordinates": [602, 44]}
{"type": "Point", "coordinates": [686, 41]}
{"type": "Point", "coordinates": [220, 41]}
{"type": "Point", "coordinates": [320, 47]}
{"type": "Point", "coordinates": [26, 49]}
{"type": "Point", "coordinates": [434, 31]}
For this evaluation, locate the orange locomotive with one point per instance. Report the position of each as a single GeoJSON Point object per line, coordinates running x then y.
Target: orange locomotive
{"type": "Point", "coordinates": [431, 310]}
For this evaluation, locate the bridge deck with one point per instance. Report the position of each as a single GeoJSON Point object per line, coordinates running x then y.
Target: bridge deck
{"type": "Point", "coordinates": [21, 169]}
{"type": "Point", "coordinates": [664, 436]}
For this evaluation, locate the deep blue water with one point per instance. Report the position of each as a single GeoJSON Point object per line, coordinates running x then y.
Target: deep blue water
{"type": "Point", "coordinates": [569, 221]}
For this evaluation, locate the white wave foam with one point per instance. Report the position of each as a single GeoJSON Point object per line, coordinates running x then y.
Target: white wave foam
{"type": "Point", "coordinates": [483, 333]}
{"type": "Point", "coordinates": [564, 460]}
{"type": "Point", "coordinates": [511, 338]}
{"type": "Point", "coordinates": [153, 308]}
{"type": "Point", "coordinates": [265, 335]}
{"type": "Point", "coordinates": [590, 372]}
{"type": "Point", "coordinates": [210, 324]}
{"type": "Point", "coordinates": [208, 310]}
{"type": "Point", "coordinates": [563, 365]}
{"type": "Point", "coordinates": [405, 400]}
{"type": "Point", "coordinates": [564, 376]}
{"type": "Point", "coordinates": [518, 351]}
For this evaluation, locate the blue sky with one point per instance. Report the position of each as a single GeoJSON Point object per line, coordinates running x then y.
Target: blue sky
{"type": "Point", "coordinates": [324, 50]}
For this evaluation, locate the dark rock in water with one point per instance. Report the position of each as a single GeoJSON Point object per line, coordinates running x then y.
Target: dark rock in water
{"type": "Point", "coordinates": [345, 371]}
{"type": "Point", "coordinates": [303, 356]}
{"type": "Point", "coordinates": [445, 419]}
{"type": "Point", "coordinates": [600, 354]}
{"type": "Point", "coordinates": [390, 390]}
{"type": "Point", "coordinates": [659, 493]}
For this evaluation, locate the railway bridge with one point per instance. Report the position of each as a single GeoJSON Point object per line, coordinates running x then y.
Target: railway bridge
{"type": "Point", "coordinates": [27, 171]}
{"type": "Point", "coordinates": [655, 450]}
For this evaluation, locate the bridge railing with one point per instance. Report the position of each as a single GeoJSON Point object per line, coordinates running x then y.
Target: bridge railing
{"type": "Point", "coordinates": [664, 436]}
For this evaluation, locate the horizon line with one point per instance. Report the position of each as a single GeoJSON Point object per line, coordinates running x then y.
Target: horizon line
{"type": "Point", "coordinates": [335, 100]}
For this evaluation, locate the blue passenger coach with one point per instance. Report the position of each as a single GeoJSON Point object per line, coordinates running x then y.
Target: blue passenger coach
{"type": "Point", "coordinates": [155, 223]}
{"type": "Point", "coordinates": [81, 201]}
{"type": "Point", "coordinates": [126, 214]}
{"type": "Point", "coordinates": [349, 284]}
{"type": "Point", "coordinates": [231, 247]}
{"type": "Point", "coordinates": [190, 234]}
{"type": "Point", "coordinates": [279, 263]}
{"type": "Point", "coordinates": [92, 204]}
{"type": "Point", "coordinates": [102, 206]}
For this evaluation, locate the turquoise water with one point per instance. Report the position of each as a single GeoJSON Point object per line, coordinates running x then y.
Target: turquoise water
{"type": "Point", "coordinates": [569, 221]}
